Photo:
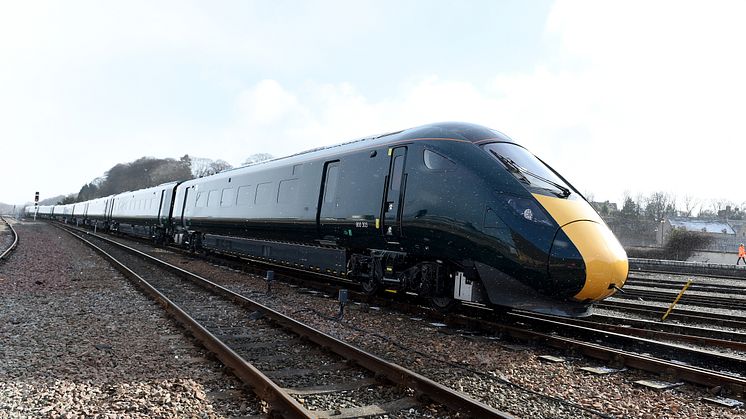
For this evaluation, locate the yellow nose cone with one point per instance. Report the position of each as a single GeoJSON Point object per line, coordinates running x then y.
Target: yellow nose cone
{"type": "Point", "coordinates": [605, 259]}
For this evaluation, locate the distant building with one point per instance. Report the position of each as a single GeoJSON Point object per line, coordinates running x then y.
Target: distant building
{"type": "Point", "coordinates": [720, 230]}
{"type": "Point", "coordinates": [739, 226]}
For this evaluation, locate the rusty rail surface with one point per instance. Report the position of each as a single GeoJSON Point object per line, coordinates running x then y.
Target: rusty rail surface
{"type": "Point", "coordinates": [659, 335]}
{"type": "Point", "coordinates": [15, 240]}
{"type": "Point", "coordinates": [264, 387]}
{"type": "Point", "coordinates": [282, 403]}
{"type": "Point", "coordinates": [696, 375]}
{"type": "Point", "coordinates": [681, 314]}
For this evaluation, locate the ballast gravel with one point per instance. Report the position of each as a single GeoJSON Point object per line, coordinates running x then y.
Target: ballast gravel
{"type": "Point", "coordinates": [78, 340]}
{"type": "Point", "coordinates": [507, 375]}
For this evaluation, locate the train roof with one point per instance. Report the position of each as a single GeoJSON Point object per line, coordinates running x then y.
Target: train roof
{"type": "Point", "coordinates": [460, 131]}
{"type": "Point", "coordinates": [457, 131]}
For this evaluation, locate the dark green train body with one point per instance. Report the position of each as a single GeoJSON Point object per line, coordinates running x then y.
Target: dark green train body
{"type": "Point", "coordinates": [451, 211]}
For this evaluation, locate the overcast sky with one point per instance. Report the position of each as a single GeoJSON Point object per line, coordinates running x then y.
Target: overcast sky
{"type": "Point", "coordinates": [636, 96]}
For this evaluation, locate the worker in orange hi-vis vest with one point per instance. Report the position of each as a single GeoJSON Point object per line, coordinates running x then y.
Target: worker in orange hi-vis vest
{"type": "Point", "coordinates": [741, 255]}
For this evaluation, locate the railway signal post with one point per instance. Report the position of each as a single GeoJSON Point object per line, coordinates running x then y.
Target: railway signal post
{"type": "Point", "coordinates": [36, 204]}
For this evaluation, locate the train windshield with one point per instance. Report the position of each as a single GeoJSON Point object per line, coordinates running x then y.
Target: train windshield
{"type": "Point", "coordinates": [529, 170]}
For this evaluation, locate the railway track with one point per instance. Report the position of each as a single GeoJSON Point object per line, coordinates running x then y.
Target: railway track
{"type": "Point", "coordinates": [699, 284]}
{"type": "Point", "coordinates": [253, 340]}
{"type": "Point", "coordinates": [687, 268]}
{"type": "Point", "coordinates": [14, 242]}
{"type": "Point", "coordinates": [679, 314]}
{"type": "Point", "coordinates": [719, 302]}
{"type": "Point", "coordinates": [681, 332]}
{"type": "Point", "coordinates": [616, 357]}
{"type": "Point", "coordinates": [484, 319]}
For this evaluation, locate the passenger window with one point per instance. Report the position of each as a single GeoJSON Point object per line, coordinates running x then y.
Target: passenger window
{"type": "Point", "coordinates": [264, 193]}
{"type": "Point", "coordinates": [288, 191]}
{"type": "Point", "coordinates": [435, 161]}
{"type": "Point", "coordinates": [226, 199]}
{"type": "Point", "coordinates": [201, 200]}
{"type": "Point", "coordinates": [397, 172]}
{"type": "Point", "coordinates": [213, 199]}
{"type": "Point", "coordinates": [332, 178]}
{"type": "Point", "coordinates": [245, 195]}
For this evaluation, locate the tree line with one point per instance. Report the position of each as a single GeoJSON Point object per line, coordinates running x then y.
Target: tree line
{"type": "Point", "coordinates": [146, 172]}
{"type": "Point", "coordinates": [658, 206]}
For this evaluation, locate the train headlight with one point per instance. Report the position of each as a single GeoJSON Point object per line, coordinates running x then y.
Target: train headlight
{"type": "Point", "coordinates": [529, 210]}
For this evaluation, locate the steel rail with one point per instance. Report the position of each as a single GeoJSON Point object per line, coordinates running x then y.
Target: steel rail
{"type": "Point", "coordinates": [620, 339]}
{"type": "Point", "coordinates": [693, 332]}
{"type": "Point", "coordinates": [698, 285]}
{"type": "Point", "coordinates": [15, 240]}
{"type": "Point", "coordinates": [735, 384]}
{"type": "Point", "coordinates": [696, 375]}
{"type": "Point", "coordinates": [393, 372]}
{"type": "Point", "coordinates": [686, 268]}
{"type": "Point", "coordinates": [648, 333]}
{"type": "Point", "coordinates": [702, 376]}
{"type": "Point", "coordinates": [690, 316]}
{"type": "Point", "coordinates": [687, 299]}
{"type": "Point", "coordinates": [282, 402]}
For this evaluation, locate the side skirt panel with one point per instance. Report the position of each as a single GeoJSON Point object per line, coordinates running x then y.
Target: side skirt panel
{"type": "Point", "coordinates": [313, 258]}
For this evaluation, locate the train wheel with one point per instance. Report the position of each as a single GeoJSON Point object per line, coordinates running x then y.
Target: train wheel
{"type": "Point", "coordinates": [370, 286]}
{"type": "Point", "coordinates": [443, 304]}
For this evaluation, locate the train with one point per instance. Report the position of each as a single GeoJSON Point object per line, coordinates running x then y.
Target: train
{"type": "Point", "coordinates": [456, 213]}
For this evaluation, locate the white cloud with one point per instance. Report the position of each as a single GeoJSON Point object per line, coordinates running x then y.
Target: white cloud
{"type": "Point", "coordinates": [631, 96]}
{"type": "Point", "coordinates": [268, 102]}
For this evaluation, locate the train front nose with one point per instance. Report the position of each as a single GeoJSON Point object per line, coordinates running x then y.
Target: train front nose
{"type": "Point", "coordinates": [603, 258]}
{"type": "Point", "coordinates": [585, 259]}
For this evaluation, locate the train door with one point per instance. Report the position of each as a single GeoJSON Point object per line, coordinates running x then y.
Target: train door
{"type": "Point", "coordinates": [394, 193]}
{"type": "Point", "coordinates": [183, 206]}
{"type": "Point", "coordinates": [160, 208]}
{"type": "Point", "coordinates": [327, 208]}
{"type": "Point", "coordinates": [110, 215]}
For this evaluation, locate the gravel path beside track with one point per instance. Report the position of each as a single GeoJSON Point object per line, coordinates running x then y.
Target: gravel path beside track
{"type": "Point", "coordinates": [416, 344]}
{"type": "Point", "coordinates": [78, 340]}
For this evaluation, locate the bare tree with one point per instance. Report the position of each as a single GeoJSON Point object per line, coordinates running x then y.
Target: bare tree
{"type": "Point", "coordinates": [719, 205]}
{"type": "Point", "coordinates": [220, 165]}
{"type": "Point", "coordinates": [256, 158]}
{"type": "Point", "coordinates": [705, 213]}
{"type": "Point", "coordinates": [659, 205]}
{"type": "Point", "coordinates": [205, 167]}
{"type": "Point", "coordinates": [690, 204]}
{"type": "Point", "coordinates": [640, 201]}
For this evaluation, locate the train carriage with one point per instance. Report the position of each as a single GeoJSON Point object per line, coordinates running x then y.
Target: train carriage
{"type": "Point", "coordinates": [451, 211]}
{"type": "Point", "coordinates": [143, 213]}
{"type": "Point", "coordinates": [97, 211]}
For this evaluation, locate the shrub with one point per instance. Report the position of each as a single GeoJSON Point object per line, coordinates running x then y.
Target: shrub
{"type": "Point", "coordinates": [681, 244]}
